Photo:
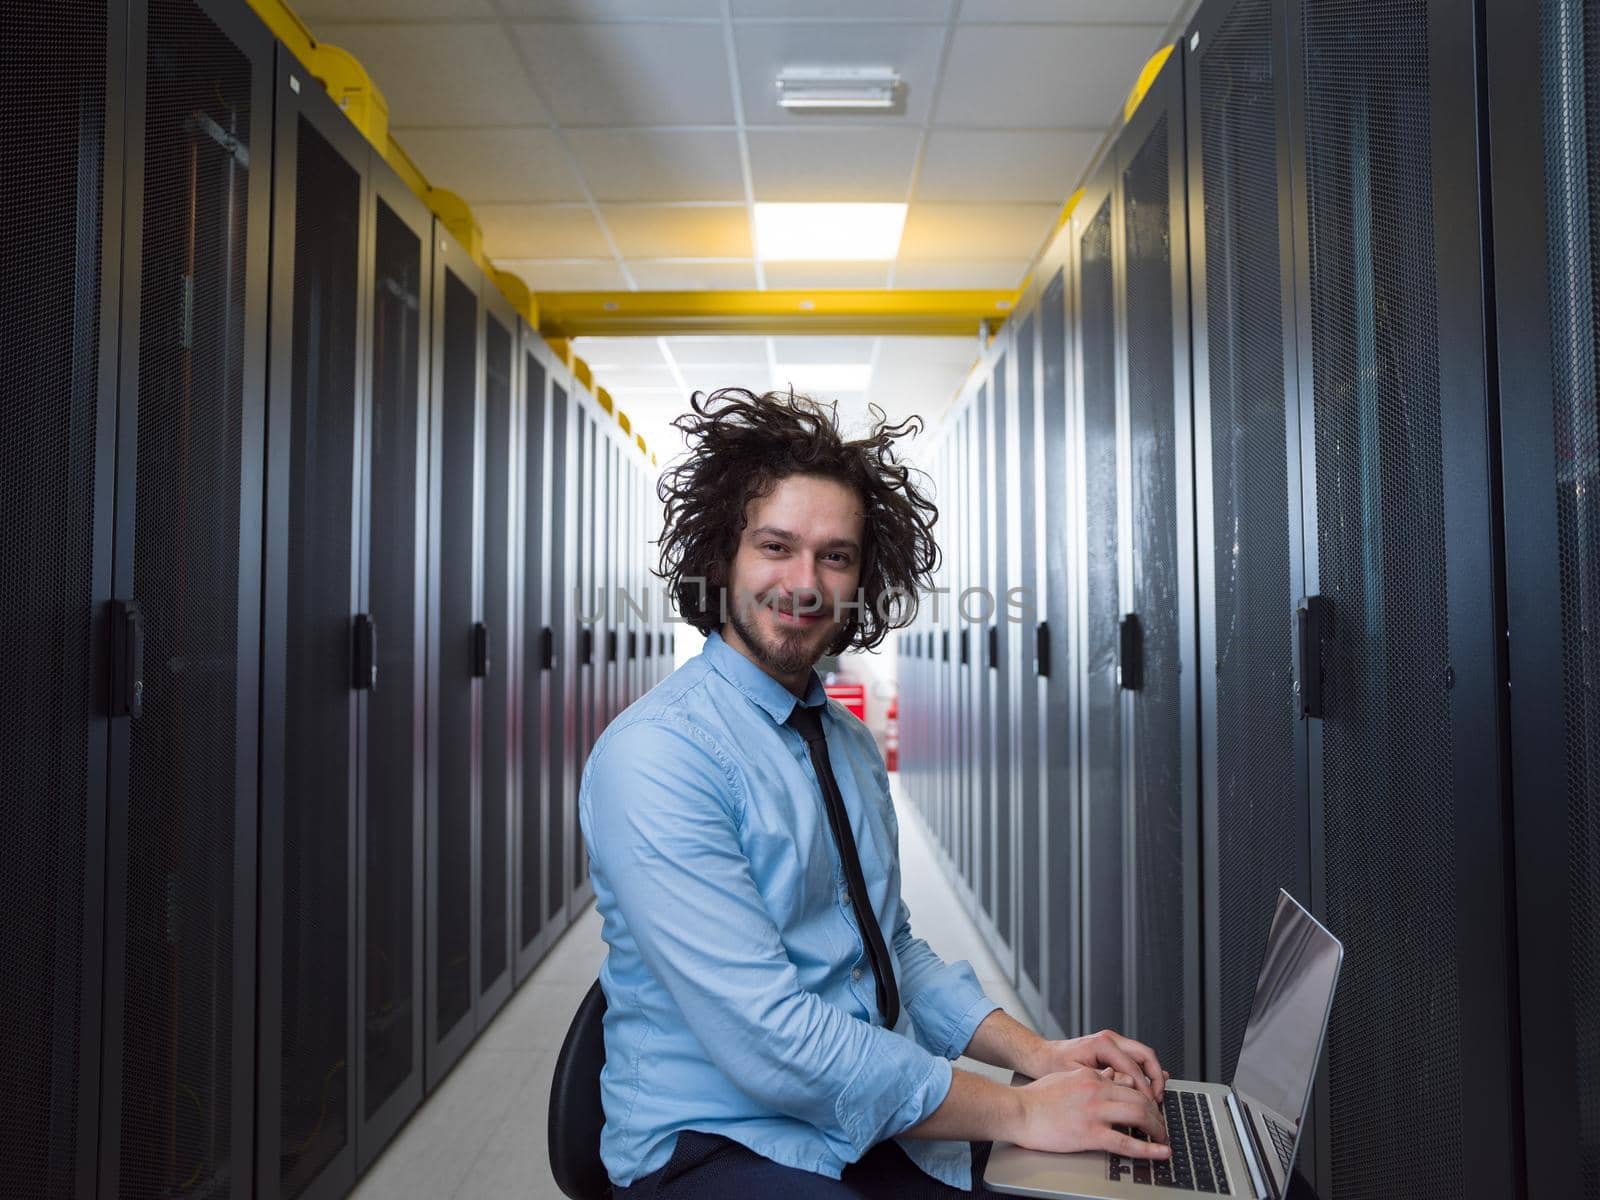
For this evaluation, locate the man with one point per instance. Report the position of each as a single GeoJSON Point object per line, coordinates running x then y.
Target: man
{"type": "Point", "coordinates": [773, 1028]}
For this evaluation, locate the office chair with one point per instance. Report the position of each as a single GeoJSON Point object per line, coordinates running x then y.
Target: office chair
{"type": "Point", "coordinates": [575, 1112]}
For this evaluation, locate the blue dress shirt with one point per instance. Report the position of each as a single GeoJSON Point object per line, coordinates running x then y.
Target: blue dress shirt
{"type": "Point", "coordinates": [740, 996]}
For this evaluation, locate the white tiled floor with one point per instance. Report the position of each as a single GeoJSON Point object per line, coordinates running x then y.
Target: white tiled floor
{"type": "Point", "coordinates": [482, 1134]}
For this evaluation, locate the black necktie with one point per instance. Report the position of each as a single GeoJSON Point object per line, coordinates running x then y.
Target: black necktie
{"type": "Point", "coordinates": [807, 722]}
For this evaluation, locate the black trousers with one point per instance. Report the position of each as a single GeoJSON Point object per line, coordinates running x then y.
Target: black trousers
{"type": "Point", "coordinates": [707, 1167]}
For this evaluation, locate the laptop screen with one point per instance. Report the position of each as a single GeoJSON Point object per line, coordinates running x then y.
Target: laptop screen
{"type": "Point", "coordinates": [1293, 996]}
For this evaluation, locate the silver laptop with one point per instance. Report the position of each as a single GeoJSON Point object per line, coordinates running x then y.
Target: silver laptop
{"type": "Point", "coordinates": [1238, 1140]}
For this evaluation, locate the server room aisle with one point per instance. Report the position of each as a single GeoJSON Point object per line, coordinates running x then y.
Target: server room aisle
{"type": "Point", "coordinates": [482, 1134]}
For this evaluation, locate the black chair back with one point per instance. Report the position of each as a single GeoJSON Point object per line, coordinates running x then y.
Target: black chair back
{"type": "Point", "coordinates": [576, 1116]}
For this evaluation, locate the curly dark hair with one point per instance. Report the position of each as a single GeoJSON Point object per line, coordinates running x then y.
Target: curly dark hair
{"type": "Point", "coordinates": [741, 446]}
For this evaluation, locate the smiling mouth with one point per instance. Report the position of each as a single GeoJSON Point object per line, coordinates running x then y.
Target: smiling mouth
{"type": "Point", "coordinates": [804, 620]}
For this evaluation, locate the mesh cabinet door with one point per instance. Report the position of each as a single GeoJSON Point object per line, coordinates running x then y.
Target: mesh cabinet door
{"type": "Point", "coordinates": [60, 91]}
{"type": "Point", "coordinates": [560, 771]}
{"type": "Point", "coordinates": [1100, 725]}
{"type": "Point", "coordinates": [306, 1114]}
{"type": "Point", "coordinates": [983, 661]}
{"type": "Point", "coordinates": [500, 680]}
{"type": "Point", "coordinates": [393, 791]}
{"type": "Point", "coordinates": [1247, 455]}
{"type": "Point", "coordinates": [1022, 616]}
{"type": "Point", "coordinates": [455, 654]}
{"type": "Point", "coordinates": [1546, 181]}
{"type": "Point", "coordinates": [997, 498]}
{"type": "Point", "coordinates": [181, 848]}
{"type": "Point", "coordinates": [537, 653]}
{"type": "Point", "coordinates": [1160, 810]}
{"type": "Point", "coordinates": [1405, 760]}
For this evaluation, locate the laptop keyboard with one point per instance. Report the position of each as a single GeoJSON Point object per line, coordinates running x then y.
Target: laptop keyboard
{"type": "Point", "coordinates": [1282, 1141]}
{"type": "Point", "coordinates": [1196, 1162]}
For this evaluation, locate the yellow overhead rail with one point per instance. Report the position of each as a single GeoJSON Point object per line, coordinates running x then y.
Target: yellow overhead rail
{"type": "Point", "coordinates": [1146, 80]}
{"type": "Point", "coordinates": [866, 312]}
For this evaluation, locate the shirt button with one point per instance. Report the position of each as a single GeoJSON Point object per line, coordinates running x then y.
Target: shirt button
{"type": "Point", "coordinates": [856, 974]}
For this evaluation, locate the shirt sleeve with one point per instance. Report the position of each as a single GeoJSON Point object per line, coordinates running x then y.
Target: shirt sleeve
{"type": "Point", "coordinates": [945, 1000]}
{"type": "Point", "coordinates": [660, 814]}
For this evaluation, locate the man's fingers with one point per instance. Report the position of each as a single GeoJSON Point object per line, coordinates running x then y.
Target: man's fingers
{"type": "Point", "coordinates": [1132, 1147]}
{"type": "Point", "coordinates": [1119, 1060]}
{"type": "Point", "coordinates": [1141, 1063]}
{"type": "Point", "coordinates": [1137, 1113]}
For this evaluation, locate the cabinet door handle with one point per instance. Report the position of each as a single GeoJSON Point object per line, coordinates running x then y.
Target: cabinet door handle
{"type": "Point", "coordinates": [1313, 622]}
{"type": "Point", "coordinates": [1041, 649]}
{"type": "Point", "coordinates": [364, 637]}
{"type": "Point", "coordinates": [127, 659]}
{"type": "Point", "coordinates": [480, 651]}
{"type": "Point", "coordinates": [1130, 653]}
{"type": "Point", "coordinates": [547, 648]}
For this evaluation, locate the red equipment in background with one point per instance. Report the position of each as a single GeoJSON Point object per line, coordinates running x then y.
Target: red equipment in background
{"type": "Point", "coordinates": [852, 695]}
{"type": "Point", "coordinates": [891, 737]}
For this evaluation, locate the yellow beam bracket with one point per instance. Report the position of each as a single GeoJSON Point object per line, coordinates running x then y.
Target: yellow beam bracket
{"type": "Point", "coordinates": [584, 376]}
{"type": "Point", "coordinates": [865, 312]}
{"type": "Point", "coordinates": [1145, 82]}
{"type": "Point", "coordinates": [639, 437]}
{"type": "Point", "coordinates": [622, 418]}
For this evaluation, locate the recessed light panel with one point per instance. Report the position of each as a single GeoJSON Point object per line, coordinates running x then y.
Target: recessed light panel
{"type": "Point", "coordinates": [828, 232]}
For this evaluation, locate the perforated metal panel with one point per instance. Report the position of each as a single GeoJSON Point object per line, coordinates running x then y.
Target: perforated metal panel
{"type": "Point", "coordinates": [982, 578]}
{"type": "Point", "coordinates": [1260, 834]}
{"type": "Point", "coordinates": [315, 969]}
{"type": "Point", "coordinates": [536, 568]}
{"type": "Point", "coordinates": [1387, 772]}
{"type": "Point", "coordinates": [1570, 46]}
{"type": "Point", "coordinates": [393, 747]}
{"type": "Point", "coordinates": [1031, 866]}
{"type": "Point", "coordinates": [52, 134]}
{"type": "Point", "coordinates": [561, 707]}
{"type": "Point", "coordinates": [1060, 471]}
{"type": "Point", "coordinates": [495, 835]}
{"type": "Point", "coordinates": [1102, 743]}
{"type": "Point", "coordinates": [1002, 683]}
{"type": "Point", "coordinates": [1158, 793]}
{"type": "Point", "coordinates": [177, 1021]}
{"type": "Point", "coordinates": [453, 829]}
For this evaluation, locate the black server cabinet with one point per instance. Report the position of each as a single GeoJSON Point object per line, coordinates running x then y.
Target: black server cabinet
{"type": "Point", "coordinates": [393, 784]}
{"type": "Point", "coordinates": [970, 652]}
{"type": "Point", "coordinates": [985, 655]}
{"type": "Point", "coordinates": [999, 501]}
{"type": "Point", "coordinates": [498, 664]}
{"type": "Point", "coordinates": [1255, 830]}
{"type": "Point", "coordinates": [565, 725]}
{"type": "Point", "coordinates": [1156, 630]}
{"type": "Point", "coordinates": [457, 653]}
{"type": "Point", "coordinates": [1096, 473]}
{"type": "Point", "coordinates": [535, 928]}
{"type": "Point", "coordinates": [178, 1085]}
{"type": "Point", "coordinates": [1060, 783]}
{"type": "Point", "coordinates": [1405, 758]}
{"type": "Point", "coordinates": [61, 116]}
{"type": "Point", "coordinates": [1544, 111]}
{"type": "Point", "coordinates": [310, 743]}
{"type": "Point", "coordinates": [591, 619]}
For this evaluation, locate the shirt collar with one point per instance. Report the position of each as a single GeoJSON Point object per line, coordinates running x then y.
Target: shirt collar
{"type": "Point", "coordinates": [772, 696]}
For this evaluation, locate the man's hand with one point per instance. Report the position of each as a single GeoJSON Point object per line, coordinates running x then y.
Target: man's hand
{"type": "Point", "coordinates": [1080, 1109]}
{"type": "Point", "coordinates": [1130, 1063]}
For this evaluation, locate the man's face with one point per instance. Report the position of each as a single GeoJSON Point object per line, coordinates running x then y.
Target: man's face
{"type": "Point", "coordinates": [798, 563]}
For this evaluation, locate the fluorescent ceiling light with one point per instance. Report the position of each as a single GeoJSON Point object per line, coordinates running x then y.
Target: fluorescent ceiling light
{"type": "Point", "coordinates": [837, 87]}
{"type": "Point", "coordinates": [828, 232]}
{"type": "Point", "coordinates": [823, 377]}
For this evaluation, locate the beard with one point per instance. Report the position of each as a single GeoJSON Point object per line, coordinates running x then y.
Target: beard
{"type": "Point", "coordinates": [786, 651]}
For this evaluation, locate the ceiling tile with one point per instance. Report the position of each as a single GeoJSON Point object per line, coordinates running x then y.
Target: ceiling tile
{"type": "Point", "coordinates": [804, 276]}
{"type": "Point", "coordinates": [938, 232]}
{"type": "Point", "coordinates": [644, 74]}
{"type": "Point", "coordinates": [792, 350]}
{"type": "Point", "coordinates": [891, 10]}
{"type": "Point", "coordinates": [531, 231]}
{"type": "Point", "coordinates": [317, 13]}
{"type": "Point", "coordinates": [709, 379]}
{"type": "Point", "coordinates": [959, 274]}
{"type": "Point", "coordinates": [620, 351]}
{"type": "Point", "coordinates": [765, 50]}
{"type": "Point", "coordinates": [1155, 12]}
{"type": "Point", "coordinates": [1061, 76]}
{"type": "Point", "coordinates": [626, 164]}
{"type": "Point", "coordinates": [834, 165]}
{"type": "Point", "coordinates": [443, 75]}
{"type": "Point", "coordinates": [615, 379]}
{"type": "Point", "coordinates": [693, 276]}
{"type": "Point", "coordinates": [612, 10]}
{"type": "Point", "coordinates": [585, 275]}
{"type": "Point", "coordinates": [692, 351]}
{"type": "Point", "coordinates": [648, 231]}
{"type": "Point", "coordinates": [921, 352]}
{"type": "Point", "coordinates": [494, 166]}
{"type": "Point", "coordinates": [1004, 166]}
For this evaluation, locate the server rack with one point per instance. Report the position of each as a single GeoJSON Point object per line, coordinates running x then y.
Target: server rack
{"type": "Point", "coordinates": [536, 929]}
{"type": "Point", "coordinates": [456, 653]}
{"type": "Point", "coordinates": [1020, 610]}
{"type": "Point", "coordinates": [1099, 505]}
{"type": "Point", "coordinates": [178, 1019]}
{"type": "Point", "coordinates": [565, 708]}
{"type": "Point", "coordinates": [1160, 925]}
{"type": "Point", "coordinates": [393, 785]}
{"type": "Point", "coordinates": [311, 750]}
{"type": "Point", "coordinates": [971, 710]}
{"type": "Point", "coordinates": [61, 101]}
{"type": "Point", "coordinates": [496, 871]}
{"type": "Point", "coordinates": [1544, 197]}
{"type": "Point", "coordinates": [1405, 758]}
